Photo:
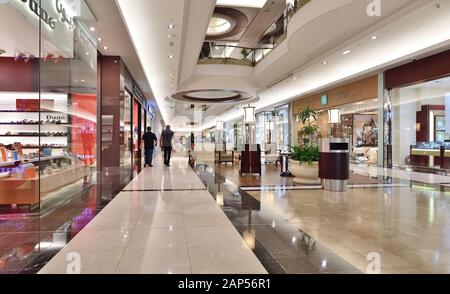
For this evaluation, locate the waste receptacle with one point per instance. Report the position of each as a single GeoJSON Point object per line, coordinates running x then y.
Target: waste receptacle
{"type": "Point", "coordinates": [334, 164]}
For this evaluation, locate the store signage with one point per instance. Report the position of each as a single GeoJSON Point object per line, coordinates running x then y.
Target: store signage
{"type": "Point", "coordinates": [55, 117]}
{"type": "Point", "coordinates": [55, 18]}
{"type": "Point", "coordinates": [324, 100]}
{"type": "Point", "coordinates": [65, 18]}
{"type": "Point", "coordinates": [45, 16]}
{"type": "Point", "coordinates": [40, 12]}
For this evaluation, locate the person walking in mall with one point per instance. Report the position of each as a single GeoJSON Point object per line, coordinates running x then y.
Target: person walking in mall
{"type": "Point", "coordinates": [150, 142]}
{"type": "Point", "coordinates": [166, 144]}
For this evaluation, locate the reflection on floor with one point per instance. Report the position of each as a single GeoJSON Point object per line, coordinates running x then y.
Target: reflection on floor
{"type": "Point", "coordinates": [28, 242]}
{"type": "Point", "coordinates": [404, 222]}
{"type": "Point", "coordinates": [165, 221]}
{"type": "Point", "coordinates": [402, 216]}
{"type": "Point", "coordinates": [407, 226]}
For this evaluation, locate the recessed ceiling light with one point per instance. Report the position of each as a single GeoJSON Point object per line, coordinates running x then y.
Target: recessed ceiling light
{"type": "Point", "coordinates": [171, 74]}
{"type": "Point", "coordinates": [294, 78]}
{"type": "Point", "coordinates": [374, 37]}
{"type": "Point", "coordinates": [171, 56]}
{"type": "Point", "coordinates": [76, 81]}
{"type": "Point", "coordinates": [325, 63]}
{"type": "Point", "coordinates": [83, 81]}
{"type": "Point", "coordinates": [171, 26]}
{"type": "Point", "coordinates": [346, 52]}
{"type": "Point", "coordinates": [170, 36]}
{"type": "Point", "coordinates": [106, 47]}
{"type": "Point", "coordinates": [92, 29]}
{"type": "Point", "coordinates": [87, 53]}
{"type": "Point", "coordinates": [100, 39]}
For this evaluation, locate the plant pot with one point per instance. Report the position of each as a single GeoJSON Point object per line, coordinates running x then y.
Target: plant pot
{"type": "Point", "coordinates": [305, 174]}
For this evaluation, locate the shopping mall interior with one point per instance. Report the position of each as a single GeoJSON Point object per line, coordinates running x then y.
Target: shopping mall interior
{"type": "Point", "coordinates": [306, 137]}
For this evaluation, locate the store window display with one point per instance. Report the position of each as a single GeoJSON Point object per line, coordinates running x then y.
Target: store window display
{"type": "Point", "coordinates": [48, 118]}
{"type": "Point", "coordinates": [421, 124]}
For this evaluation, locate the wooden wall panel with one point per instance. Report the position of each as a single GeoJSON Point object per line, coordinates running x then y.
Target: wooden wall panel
{"type": "Point", "coordinates": [426, 69]}
{"type": "Point", "coordinates": [357, 91]}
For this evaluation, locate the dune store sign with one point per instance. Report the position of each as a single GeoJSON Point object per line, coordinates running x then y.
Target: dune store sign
{"type": "Point", "coordinates": [56, 18]}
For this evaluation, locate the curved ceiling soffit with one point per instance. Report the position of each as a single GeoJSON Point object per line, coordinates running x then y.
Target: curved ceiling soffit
{"type": "Point", "coordinates": [301, 20]}
{"type": "Point", "coordinates": [240, 22]}
{"type": "Point", "coordinates": [213, 96]}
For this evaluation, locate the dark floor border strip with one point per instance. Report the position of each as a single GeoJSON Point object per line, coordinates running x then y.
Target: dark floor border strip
{"type": "Point", "coordinates": [163, 190]}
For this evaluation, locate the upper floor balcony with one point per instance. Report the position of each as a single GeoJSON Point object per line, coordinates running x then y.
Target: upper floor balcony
{"type": "Point", "coordinates": [231, 53]}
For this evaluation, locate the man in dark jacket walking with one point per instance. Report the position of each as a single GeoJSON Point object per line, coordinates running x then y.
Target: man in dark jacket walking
{"type": "Point", "coordinates": [150, 142]}
{"type": "Point", "coordinates": [166, 144]}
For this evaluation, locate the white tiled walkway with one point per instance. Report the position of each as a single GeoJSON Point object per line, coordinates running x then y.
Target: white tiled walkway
{"type": "Point", "coordinates": [148, 231]}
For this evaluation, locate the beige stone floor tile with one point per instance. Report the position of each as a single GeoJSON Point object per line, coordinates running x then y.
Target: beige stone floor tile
{"type": "Point", "coordinates": [160, 220]}
{"type": "Point", "coordinates": [213, 237]}
{"type": "Point", "coordinates": [104, 262]}
{"type": "Point", "coordinates": [438, 269]}
{"type": "Point", "coordinates": [157, 238]}
{"type": "Point", "coordinates": [224, 260]}
{"type": "Point", "coordinates": [155, 261]}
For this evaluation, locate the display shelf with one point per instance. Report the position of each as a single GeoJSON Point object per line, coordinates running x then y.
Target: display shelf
{"type": "Point", "coordinates": [31, 148]}
{"type": "Point", "coordinates": [33, 124]}
{"type": "Point", "coordinates": [44, 158]}
{"type": "Point", "coordinates": [30, 111]}
{"type": "Point", "coordinates": [8, 163]}
{"type": "Point", "coordinates": [42, 136]}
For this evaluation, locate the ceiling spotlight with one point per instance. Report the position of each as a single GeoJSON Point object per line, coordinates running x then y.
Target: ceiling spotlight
{"type": "Point", "coordinates": [92, 29]}
{"type": "Point", "coordinates": [171, 56]}
{"type": "Point", "coordinates": [346, 52]}
{"type": "Point", "coordinates": [294, 78]}
{"type": "Point", "coordinates": [171, 26]}
{"type": "Point", "coordinates": [171, 74]}
{"type": "Point", "coordinates": [325, 63]}
{"type": "Point", "coordinates": [83, 81]}
{"type": "Point", "coordinates": [374, 37]}
{"type": "Point", "coordinates": [106, 47]}
{"type": "Point", "coordinates": [100, 39]}
{"type": "Point", "coordinates": [87, 53]}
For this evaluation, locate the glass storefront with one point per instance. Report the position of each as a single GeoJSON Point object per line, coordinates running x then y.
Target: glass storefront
{"type": "Point", "coordinates": [48, 103]}
{"type": "Point", "coordinates": [127, 130]}
{"type": "Point", "coordinates": [360, 125]}
{"type": "Point", "coordinates": [281, 133]}
{"type": "Point", "coordinates": [265, 123]}
{"type": "Point", "coordinates": [421, 124]}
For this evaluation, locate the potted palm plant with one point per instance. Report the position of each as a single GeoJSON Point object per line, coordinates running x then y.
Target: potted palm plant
{"type": "Point", "coordinates": [304, 162]}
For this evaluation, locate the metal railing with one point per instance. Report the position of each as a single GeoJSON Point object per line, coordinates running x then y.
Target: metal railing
{"type": "Point", "coordinates": [229, 54]}
{"type": "Point", "coordinates": [216, 53]}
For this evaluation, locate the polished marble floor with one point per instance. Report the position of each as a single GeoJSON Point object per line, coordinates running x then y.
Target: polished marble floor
{"type": "Point", "coordinates": [28, 242]}
{"type": "Point", "coordinates": [205, 218]}
{"type": "Point", "coordinates": [407, 226]}
{"type": "Point", "coordinates": [165, 221]}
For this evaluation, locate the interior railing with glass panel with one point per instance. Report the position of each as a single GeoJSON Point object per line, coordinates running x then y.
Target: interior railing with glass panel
{"type": "Point", "coordinates": [223, 53]}
{"type": "Point", "coordinates": [214, 53]}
